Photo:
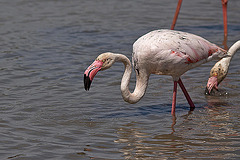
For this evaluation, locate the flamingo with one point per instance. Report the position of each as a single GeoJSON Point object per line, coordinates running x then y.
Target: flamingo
{"type": "Point", "coordinates": [161, 52]}
{"type": "Point", "coordinates": [220, 69]}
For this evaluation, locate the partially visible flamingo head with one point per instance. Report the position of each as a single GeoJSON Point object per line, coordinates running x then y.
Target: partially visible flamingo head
{"type": "Point", "coordinates": [217, 75]}
{"type": "Point", "coordinates": [212, 83]}
{"type": "Point", "coordinates": [102, 62]}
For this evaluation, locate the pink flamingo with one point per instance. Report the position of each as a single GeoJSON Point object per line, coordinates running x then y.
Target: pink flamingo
{"type": "Point", "coordinates": [161, 52]}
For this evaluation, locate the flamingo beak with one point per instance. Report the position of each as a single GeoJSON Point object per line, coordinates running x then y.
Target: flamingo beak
{"type": "Point", "coordinates": [90, 72]}
{"type": "Point", "coordinates": [212, 83]}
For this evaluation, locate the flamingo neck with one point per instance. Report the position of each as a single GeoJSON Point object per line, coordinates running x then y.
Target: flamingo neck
{"type": "Point", "coordinates": [234, 48]}
{"type": "Point", "coordinates": [141, 81]}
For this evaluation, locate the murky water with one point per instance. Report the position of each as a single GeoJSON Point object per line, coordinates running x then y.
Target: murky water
{"type": "Point", "coordinates": [45, 113]}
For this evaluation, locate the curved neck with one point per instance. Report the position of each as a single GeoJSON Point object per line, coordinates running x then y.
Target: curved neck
{"type": "Point", "coordinates": [223, 65]}
{"type": "Point", "coordinates": [234, 48]}
{"type": "Point", "coordinates": [141, 81]}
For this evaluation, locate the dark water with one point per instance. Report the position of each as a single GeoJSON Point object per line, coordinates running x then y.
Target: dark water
{"type": "Point", "coordinates": [45, 113]}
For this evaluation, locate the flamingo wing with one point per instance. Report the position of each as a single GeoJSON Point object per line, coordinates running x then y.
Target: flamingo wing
{"type": "Point", "coordinates": [188, 46]}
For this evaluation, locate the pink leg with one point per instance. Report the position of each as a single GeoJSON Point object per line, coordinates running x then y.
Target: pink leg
{"type": "Point", "coordinates": [190, 102]}
{"type": "Point", "coordinates": [174, 97]}
{"type": "Point", "coordinates": [224, 8]}
{"type": "Point", "coordinates": [176, 14]}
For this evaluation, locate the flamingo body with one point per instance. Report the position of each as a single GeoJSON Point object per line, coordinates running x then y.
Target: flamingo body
{"type": "Point", "coordinates": [168, 52]}
{"type": "Point", "coordinates": [162, 52]}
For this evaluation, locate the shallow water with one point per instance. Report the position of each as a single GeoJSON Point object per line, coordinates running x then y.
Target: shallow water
{"type": "Point", "coordinates": [45, 113]}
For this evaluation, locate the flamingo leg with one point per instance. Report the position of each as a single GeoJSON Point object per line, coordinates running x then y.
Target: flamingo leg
{"type": "Point", "coordinates": [176, 14]}
{"type": "Point", "coordinates": [174, 98]}
{"type": "Point", "coordinates": [224, 7]}
{"type": "Point", "coordinates": [190, 102]}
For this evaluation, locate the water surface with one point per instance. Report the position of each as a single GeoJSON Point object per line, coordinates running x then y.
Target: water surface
{"type": "Point", "coordinates": [45, 113]}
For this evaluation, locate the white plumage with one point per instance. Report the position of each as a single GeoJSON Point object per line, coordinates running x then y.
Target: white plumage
{"type": "Point", "coordinates": [168, 52]}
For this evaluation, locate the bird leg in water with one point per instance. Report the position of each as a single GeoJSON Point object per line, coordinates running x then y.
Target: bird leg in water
{"type": "Point", "coordinates": [190, 102]}
{"type": "Point", "coordinates": [174, 97]}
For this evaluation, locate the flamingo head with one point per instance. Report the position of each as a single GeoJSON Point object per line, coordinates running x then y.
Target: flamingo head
{"type": "Point", "coordinates": [217, 75]}
{"type": "Point", "coordinates": [102, 62]}
{"type": "Point", "coordinates": [212, 83]}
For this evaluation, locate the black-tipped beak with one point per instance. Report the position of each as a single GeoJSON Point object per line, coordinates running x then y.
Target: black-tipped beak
{"type": "Point", "coordinates": [211, 85]}
{"type": "Point", "coordinates": [207, 91]}
{"type": "Point", "coordinates": [87, 82]}
{"type": "Point", "coordinates": [213, 91]}
{"type": "Point", "coordinates": [90, 72]}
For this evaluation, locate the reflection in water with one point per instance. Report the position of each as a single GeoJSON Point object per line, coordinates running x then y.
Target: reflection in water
{"type": "Point", "coordinates": [173, 123]}
{"type": "Point", "coordinates": [133, 138]}
{"type": "Point", "coordinates": [219, 117]}
{"type": "Point", "coordinates": [206, 132]}
{"type": "Point", "coordinates": [140, 144]}
{"type": "Point", "coordinates": [174, 119]}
